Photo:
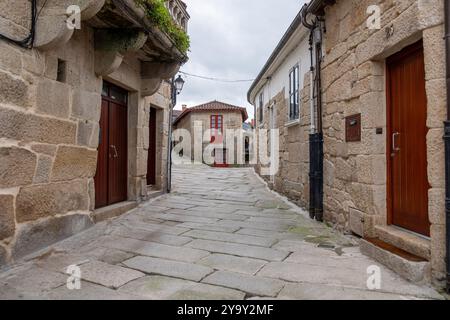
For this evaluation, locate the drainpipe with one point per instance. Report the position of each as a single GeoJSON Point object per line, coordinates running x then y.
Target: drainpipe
{"type": "Point", "coordinates": [447, 142]}
{"type": "Point", "coordinates": [316, 135]}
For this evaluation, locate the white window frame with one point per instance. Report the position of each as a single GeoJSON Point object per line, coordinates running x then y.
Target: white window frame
{"type": "Point", "coordinates": [261, 109]}
{"type": "Point", "coordinates": [294, 93]}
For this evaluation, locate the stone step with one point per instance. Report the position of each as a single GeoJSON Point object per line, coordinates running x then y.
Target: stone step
{"type": "Point", "coordinates": [113, 211]}
{"type": "Point", "coordinates": [410, 267]}
{"type": "Point", "coordinates": [407, 241]}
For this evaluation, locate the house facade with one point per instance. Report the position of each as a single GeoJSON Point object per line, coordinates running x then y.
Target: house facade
{"type": "Point", "coordinates": [380, 115]}
{"type": "Point", "coordinates": [218, 117]}
{"type": "Point", "coordinates": [281, 95]}
{"type": "Point", "coordinates": [84, 116]}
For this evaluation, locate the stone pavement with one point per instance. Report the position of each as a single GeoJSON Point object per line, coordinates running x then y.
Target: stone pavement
{"type": "Point", "coordinates": [220, 235]}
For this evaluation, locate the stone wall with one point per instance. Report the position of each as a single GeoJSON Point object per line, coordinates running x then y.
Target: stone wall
{"type": "Point", "coordinates": [49, 134]}
{"type": "Point", "coordinates": [354, 82]}
{"type": "Point", "coordinates": [48, 141]}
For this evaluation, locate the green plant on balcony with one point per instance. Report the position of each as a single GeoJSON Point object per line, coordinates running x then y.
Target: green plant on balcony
{"type": "Point", "coordinates": [159, 15]}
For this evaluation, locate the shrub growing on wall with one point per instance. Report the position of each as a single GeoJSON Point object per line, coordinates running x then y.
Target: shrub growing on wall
{"type": "Point", "coordinates": [159, 15]}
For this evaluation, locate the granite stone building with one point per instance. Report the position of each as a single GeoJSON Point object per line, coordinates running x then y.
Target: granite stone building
{"type": "Point", "coordinates": [217, 117]}
{"type": "Point", "coordinates": [379, 106]}
{"type": "Point", "coordinates": [84, 115]}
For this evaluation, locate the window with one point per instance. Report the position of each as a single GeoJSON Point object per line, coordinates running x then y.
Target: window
{"type": "Point", "coordinates": [294, 95]}
{"type": "Point", "coordinates": [61, 71]}
{"type": "Point", "coordinates": [261, 108]}
{"type": "Point", "coordinates": [216, 128]}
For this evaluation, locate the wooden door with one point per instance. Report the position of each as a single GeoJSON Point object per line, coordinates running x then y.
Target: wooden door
{"type": "Point", "coordinates": [101, 177]}
{"type": "Point", "coordinates": [111, 179]}
{"type": "Point", "coordinates": [407, 155]}
{"type": "Point", "coordinates": [118, 153]}
{"type": "Point", "coordinates": [151, 164]}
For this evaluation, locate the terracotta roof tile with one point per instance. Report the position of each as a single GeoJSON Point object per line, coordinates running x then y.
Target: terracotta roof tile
{"type": "Point", "coordinates": [214, 106]}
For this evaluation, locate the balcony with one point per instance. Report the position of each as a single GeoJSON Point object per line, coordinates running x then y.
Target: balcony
{"type": "Point", "coordinates": [177, 9]}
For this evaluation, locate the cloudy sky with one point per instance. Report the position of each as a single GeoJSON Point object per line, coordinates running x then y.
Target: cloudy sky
{"type": "Point", "coordinates": [232, 39]}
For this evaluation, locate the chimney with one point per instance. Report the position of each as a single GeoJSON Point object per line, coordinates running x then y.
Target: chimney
{"type": "Point", "coordinates": [184, 107]}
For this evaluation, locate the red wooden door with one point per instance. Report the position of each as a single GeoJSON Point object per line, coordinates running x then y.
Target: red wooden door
{"type": "Point", "coordinates": [101, 177]}
{"type": "Point", "coordinates": [111, 179]}
{"type": "Point", "coordinates": [118, 153]}
{"type": "Point", "coordinates": [407, 155]}
{"type": "Point", "coordinates": [151, 165]}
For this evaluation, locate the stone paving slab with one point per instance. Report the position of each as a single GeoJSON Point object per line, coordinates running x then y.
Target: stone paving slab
{"type": "Point", "coordinates": [175, 269]}
{"type": "Point", "coordinates": [136, 224]}
{"type": "Point", "coordinates": [225, 262]}
{"type": "Point", "coordinates": [307, 291]}
{"type": "Point", "coordinates": [157, 250]}
{"type": "Point", "coordinates": [151, 236]}
{"type": "Point", "coordinates": [89, 291]}
{"type": "Point", "coordinates": [164, 288]}
{"type": "Point", "coordinates": [241, 250]}
{"type": "Point", "coordinates": [185, 218]}
{"type": "Point", "coordinates": [108, 275]}
{"type": "Point", "coordinates": [255, 225]}
{"type": "Point", "coordinates": [250, 284]}
{"type": "Point", "coordinates": [342, 277]}
{"type": "Point", "coordinates": [29, 282]}
{"type": "Point", "coordinates": [207, 227]}
{"type": "Point", "coordinates": [208, 214]}
{"type": "Point", "coordinates": [267, 233]}
{"type": "Point", "coordinates": [230, 237]}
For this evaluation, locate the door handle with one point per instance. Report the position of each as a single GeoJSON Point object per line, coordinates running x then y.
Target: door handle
{"type": "Point", "coordinates": [116, 155]}
{"type": "Point", "coordinates": [395, 148]}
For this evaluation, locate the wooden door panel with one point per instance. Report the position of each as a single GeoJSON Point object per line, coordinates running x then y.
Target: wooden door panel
{"type": "Point", "coordinates": [118, 154]}
{"type": "Point", "coordinates": [151, 163]}
{"type": "Point", "coordinates": [101, 176]}
{"type": "Point", "coordinates": [407, 105]}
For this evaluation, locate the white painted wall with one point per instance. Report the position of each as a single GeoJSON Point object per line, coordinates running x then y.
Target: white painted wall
{"type": "Point", "coordinates": [280, 78]}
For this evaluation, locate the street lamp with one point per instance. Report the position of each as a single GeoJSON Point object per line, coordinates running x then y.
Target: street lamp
{"type": "Point", "coordinates": [177, 87]}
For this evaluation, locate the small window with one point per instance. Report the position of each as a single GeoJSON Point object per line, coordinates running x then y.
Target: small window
{"type": "Point", "coordinates": [261, 108]}
{"type": "Point", "coordinates": [294, 94]}
{"type": "Point", "coordinates": [61, 73]}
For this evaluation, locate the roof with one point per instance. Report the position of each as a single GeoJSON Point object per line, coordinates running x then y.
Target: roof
{"type": "Point", "coordinates": [213, 106]}
{"type": "Point", "coordinates": [284, 40]}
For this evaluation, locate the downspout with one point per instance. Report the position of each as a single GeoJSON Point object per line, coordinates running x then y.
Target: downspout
{"type": "Point", "coordinates": [316, 135]}
{"type": "Point", "coordinates": [447, 143]}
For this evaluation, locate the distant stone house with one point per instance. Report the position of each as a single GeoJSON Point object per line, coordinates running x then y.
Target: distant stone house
{"type": "Point", "coordinates": [84, 116]}
{"type": "Point", "coordinates": [217, 117]}
{"type": "Point", "coordinates": [381, 116]}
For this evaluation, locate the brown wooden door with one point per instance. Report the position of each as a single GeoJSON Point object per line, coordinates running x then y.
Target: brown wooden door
{"type": "Point", "coordinates": [111, 179]}
{"type": "Point", "coordinates": [151, 164]}
{"type": "Point", "coordinates": [118, 173]}
{"type": "Point", "coordinates": [101, 177]}
{"type": "Point", "coordinates": [407, 154]}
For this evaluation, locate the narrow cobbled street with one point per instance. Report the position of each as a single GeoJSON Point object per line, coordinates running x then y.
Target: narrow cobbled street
{"type": "Point", "coordinates": [221, 234]}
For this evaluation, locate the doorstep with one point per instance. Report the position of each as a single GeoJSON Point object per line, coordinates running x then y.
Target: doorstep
{"type": "Point", "coordinates": [153, 192]}
{"type": "Point", "coordinates": [113, 211]}
{"type": "Point", "coordinates": [405, 240]}
{"type": "Point", "coordinates": [408, 266]}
